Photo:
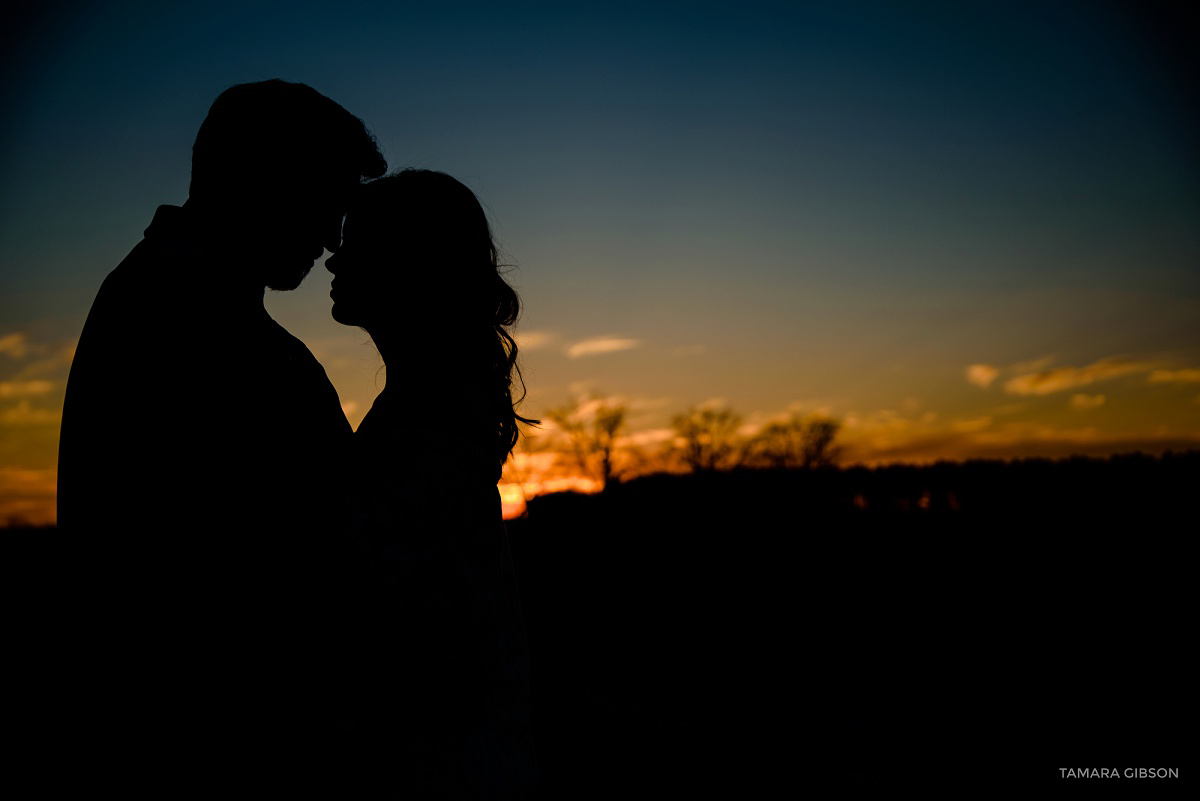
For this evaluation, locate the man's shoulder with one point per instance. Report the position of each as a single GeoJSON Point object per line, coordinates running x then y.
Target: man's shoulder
{"type": "Point", "coordinates": [155, 272]}
{"type": "Point", "coordinates": [166, 239]}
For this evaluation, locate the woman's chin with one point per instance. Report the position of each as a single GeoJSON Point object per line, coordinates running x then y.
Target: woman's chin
{"type": "Point", "coordinates": [342, 314]}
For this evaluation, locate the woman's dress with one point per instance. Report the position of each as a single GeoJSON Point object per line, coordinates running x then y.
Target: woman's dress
{"type": "Point", "coordinates": [439, 672]}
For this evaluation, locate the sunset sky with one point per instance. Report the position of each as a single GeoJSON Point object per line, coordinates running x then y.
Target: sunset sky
{"type": "Point", "coordinates": [960, 231]}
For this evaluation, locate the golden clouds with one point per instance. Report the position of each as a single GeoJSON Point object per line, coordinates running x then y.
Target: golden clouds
{"type": "Point", "coordinates": [1085, 402]}
{"type": "Point", "coordinates": [32, 370]}
{"type": "Point", "coordinates": [1058, 379]}
{"type": "Point", "coordinates": [33, 376]}
{"type": "Point", "coordinates": [604, 344]}
{"type": "Point", "coordinates": [1038, 378]}
{"type": "Point", "coordinates": [982, 375]}
{"type": "Point", "coordinates": [20, 389]}
{"type": "Point", "coordinates": [1028, 435]}
{"type": "Point", "coordinates": [533, 340]}
{"type": "Point", "coordinates": [593, 346]}
{"type": "Point", "coordinates": [980, 438]}
{"type": "Point", "coordinates": [1190, 376]}
{"type": "Point", "coordinates": [15, 345]}
{"type": "Point", "coordinates": [23, 414]}
{"type": "Point", "coordinates": [649, 438]}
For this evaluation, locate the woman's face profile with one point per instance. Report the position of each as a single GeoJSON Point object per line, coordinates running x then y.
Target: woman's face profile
{"type": "Point", "coordinates": [404, 260]}
{"type": "Point", "coordinates": [365, 269]}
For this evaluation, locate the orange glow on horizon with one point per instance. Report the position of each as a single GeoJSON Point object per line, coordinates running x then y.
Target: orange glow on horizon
{"type": "Point", "coordinates": [513, 496]}
{"type": "Point", "coordinates": [28, 497]}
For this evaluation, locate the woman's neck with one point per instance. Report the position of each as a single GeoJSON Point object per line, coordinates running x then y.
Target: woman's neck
{"type": "Point", "coordinates": [443, 370]}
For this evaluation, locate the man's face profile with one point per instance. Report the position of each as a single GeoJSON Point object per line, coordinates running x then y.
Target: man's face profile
{"type": "Point", "coordinates": [273, 168]}
{"type": "Point", "coordinates": [304, 219]}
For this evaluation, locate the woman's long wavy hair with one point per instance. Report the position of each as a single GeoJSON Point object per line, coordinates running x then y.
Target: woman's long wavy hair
{"type": "Point", "coordinates": [454, 274]}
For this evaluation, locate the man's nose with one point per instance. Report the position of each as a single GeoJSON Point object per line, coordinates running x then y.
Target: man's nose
{"type": "Point", "coordinates": [331, 237]}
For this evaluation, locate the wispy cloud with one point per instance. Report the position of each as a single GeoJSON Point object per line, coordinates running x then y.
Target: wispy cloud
{"type": "Point", "coordinates": [20, 389]}
{"type": "Point", "coordinates": [982, 375]}
{"type": "Point", "coordinates": [37, 358]}
{"type": "Point", "coordinates": [1058, 379]}
{"type": "Point", "coordinates": [818, 407]}
{"type": "Point", "coordinates": [23, 414]}
{"type": "Point", "coordinates": [15, 345]}
{"type": "Point", "coordinates": [649, 437]}
{"type": "Point", "coordinates": [1188, 376]}
{"type": "Point", "coordinates": [1013, 440]}
{"type": "Point", "coordinates": [533, 340]}
{"type": "Point", "coordinates": [810, 408]}
{"type": "Point", "coordinates": [1085, 402]}
{"type": "Point", "coordinates": [714, 404]}
{"type": "Point", "coordinates": [1033, 365]}
{"type": "Point", "coordinates": [605, 344]}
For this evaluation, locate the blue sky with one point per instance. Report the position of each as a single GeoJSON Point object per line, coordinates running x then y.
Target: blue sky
{"type": "Point", "coordinates": [811, 206]}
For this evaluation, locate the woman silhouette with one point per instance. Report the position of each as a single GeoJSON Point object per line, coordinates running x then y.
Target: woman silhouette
{"type": "Point", "coordinates": [440, 694]}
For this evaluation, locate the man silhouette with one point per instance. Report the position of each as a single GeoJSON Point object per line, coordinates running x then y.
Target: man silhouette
{"type": "Point", "coordinates": [200, 455]}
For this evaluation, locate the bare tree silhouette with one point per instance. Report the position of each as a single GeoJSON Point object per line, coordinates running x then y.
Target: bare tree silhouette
{"type": "Point", "coordinates": [707, 438]}
{"type": "Point", "coordinates": [591, 428]}
{"type": "Point", "coordinates": [797, 442]}
{"type": "Point", "coordinates": [818, 449]}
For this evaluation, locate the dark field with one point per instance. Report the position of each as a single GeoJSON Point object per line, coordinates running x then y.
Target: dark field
{"type": "Point", "coordinates": [760, 634]}
{"type": "Point", "coordinates": [756, 634]}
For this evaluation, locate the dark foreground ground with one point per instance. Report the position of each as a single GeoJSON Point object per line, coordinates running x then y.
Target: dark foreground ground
{"type": "Point", "coordinates": [841, 633]}
{"type": "Point", "coordinates": [759, 634]}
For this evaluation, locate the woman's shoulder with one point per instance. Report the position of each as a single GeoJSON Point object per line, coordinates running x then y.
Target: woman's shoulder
{"type": "Point", "coordinates": [425, 487]}
{"type": "Point", "coordinates": [394, 439]}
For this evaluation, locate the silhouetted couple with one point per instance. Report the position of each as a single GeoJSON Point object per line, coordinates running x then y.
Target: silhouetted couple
{"type": "Point", "coordinates": [264, 596]}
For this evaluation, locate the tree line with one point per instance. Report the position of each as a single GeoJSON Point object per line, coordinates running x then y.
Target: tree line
{"type": "Point", "coordinates": [589, 438]}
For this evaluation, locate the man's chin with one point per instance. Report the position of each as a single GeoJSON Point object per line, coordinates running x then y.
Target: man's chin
{"type": "Point", "coordinates": [342, 316]}
{"type": "Point", "coordinates": [287, 281]}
